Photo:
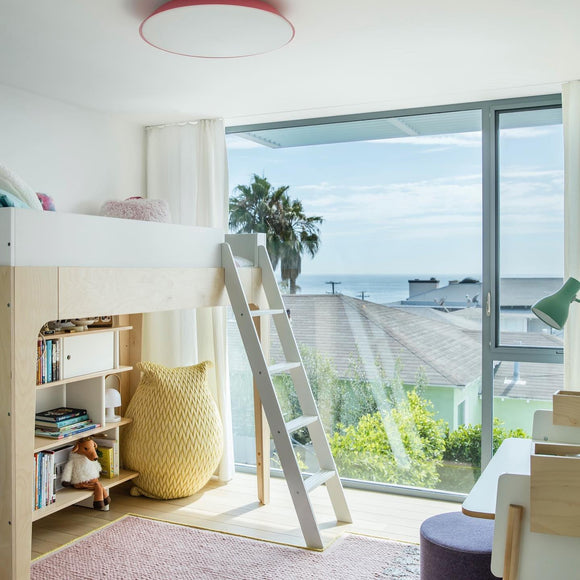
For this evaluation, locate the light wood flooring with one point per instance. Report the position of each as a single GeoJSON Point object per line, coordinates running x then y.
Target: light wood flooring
{"type": "Point", "coordinates": [233, 508]}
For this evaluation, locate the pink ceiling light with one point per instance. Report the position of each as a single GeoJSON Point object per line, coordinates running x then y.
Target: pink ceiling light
{"type": "Point", "coordinates": [216, 28]}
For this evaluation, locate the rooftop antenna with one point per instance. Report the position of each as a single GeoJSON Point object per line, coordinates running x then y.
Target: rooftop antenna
{"type": "Point", "coordinates": [363, 294]}
{"type": "Point", "coordinates": [333, 285]}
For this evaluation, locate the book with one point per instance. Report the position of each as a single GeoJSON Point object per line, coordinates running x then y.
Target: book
{"type": "Point", "coordinates": [49, 361]}
{"type": "Point", "coordinates": [64, 428]}
{"type": "Point", "coordinates": [53, 425]}
{"type": "Point", "coordinates": [59, 435]}
{"type": "Point", "coordinates": [43, 492]}
{"type": "Point", "coordinates": [108, 456]}
{"type": "Point", "coordinates": [60, 414]}
{"type": "Point", "coordinates": [60, 460]}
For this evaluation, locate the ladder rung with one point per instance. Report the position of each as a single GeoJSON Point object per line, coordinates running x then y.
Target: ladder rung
{"type": "Point", "coordinates": [256, 313]}
{"type": "Point", "coordinates": [282, 367]}
{"type": "Point", "coordinates": [300, 422]}
{"type": "Point", "coordinates": [317, 479]}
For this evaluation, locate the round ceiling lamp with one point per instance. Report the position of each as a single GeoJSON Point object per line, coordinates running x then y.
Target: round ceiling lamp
{"type": "Point", "coordinates": [216, 28]}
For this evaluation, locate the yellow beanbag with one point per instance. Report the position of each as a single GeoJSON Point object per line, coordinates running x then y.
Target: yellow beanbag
{"type": "Point", "coordinates": [175, 440]}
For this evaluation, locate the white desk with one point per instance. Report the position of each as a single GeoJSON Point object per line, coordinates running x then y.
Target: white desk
{"type": "Point", "coordinates": [513, 456]}
{"type": "Point", "coordinates": [503, 493]}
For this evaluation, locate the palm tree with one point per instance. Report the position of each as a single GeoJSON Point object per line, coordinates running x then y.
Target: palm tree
{"type": "Point", "coordinates": [261, 208]}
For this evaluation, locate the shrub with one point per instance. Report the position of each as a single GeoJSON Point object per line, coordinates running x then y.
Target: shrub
{"type": "Point", "coordinates": [402, 446]}
{"type": "Point", "coordinates": [464, 444]}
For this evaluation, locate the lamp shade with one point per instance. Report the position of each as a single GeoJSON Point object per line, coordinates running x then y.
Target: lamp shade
{"type": "Point", "coordinates": [553, 309]}
{"type": "Point", "coordinates": [112, 400]}
{"type": "Point", "coordinates": [216, 28]}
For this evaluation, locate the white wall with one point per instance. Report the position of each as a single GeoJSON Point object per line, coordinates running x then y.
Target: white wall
{"type": "Point", "coordinates": [78, 156]}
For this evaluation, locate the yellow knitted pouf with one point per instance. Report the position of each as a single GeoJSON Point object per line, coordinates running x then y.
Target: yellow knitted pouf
{"type": "Point", "coordinates": [175, 439]}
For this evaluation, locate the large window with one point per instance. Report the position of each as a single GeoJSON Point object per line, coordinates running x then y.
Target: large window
{"type": "Point", "coordinates": [531, 218]}
{"type": "Point", "coordinates": [389, 311]}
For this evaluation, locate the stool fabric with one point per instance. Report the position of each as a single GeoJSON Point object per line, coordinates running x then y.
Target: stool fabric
{"type": "Point", "coordinates": [456, 546]}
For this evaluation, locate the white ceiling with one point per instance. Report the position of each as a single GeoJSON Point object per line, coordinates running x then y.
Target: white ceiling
{"type": "Point", "coordinates": [347, 56]}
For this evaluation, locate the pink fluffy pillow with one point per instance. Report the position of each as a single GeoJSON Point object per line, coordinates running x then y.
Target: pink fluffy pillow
{"type": "Point", "coordinates": [138, 208]}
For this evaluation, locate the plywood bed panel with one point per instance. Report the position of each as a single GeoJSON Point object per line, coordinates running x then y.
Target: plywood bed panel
{"type": "Point", "coordinates": [58, 266]}
{"type": "Point", "coordinates": [35, 238]}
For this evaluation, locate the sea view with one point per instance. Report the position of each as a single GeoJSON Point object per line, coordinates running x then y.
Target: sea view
{"type": "Point", "coordinates": [379, 288]}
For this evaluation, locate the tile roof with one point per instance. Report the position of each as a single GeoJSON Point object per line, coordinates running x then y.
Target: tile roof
{"type": "Point", "coordinates": [444, 347]}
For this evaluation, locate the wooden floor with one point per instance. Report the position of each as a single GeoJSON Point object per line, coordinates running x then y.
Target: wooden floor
{"type": "Point", "coordinates": [233, 508]}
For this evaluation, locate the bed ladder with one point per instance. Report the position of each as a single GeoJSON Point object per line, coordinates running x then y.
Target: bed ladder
{"type": "Point", "coordinates": [299, 484]}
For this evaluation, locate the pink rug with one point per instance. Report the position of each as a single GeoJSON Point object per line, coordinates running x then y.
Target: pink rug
{"type": "Point", "coordinates": [135, 548]}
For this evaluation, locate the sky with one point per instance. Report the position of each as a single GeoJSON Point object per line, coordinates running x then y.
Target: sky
{"type": "Point", "coordinates": [413, 205]}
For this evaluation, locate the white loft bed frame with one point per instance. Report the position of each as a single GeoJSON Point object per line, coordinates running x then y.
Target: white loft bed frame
{"type": "Point", "coordinates": [58, 266]}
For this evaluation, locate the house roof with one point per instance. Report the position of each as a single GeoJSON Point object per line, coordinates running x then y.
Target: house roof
{"type": "Point", "coordinates": [346, 57]}
{"type": "Point", "coordinates": [517, 293]}
{"type": "Point", "coordinates": [342, 328]}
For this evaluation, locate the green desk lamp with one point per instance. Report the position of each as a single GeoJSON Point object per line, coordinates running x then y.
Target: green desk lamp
{"type": "Point", "coordinates": [553, 309]}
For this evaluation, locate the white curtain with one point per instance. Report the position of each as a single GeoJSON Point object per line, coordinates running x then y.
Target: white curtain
{"type": "Point", "coordinates": [187, 167]}
{"type": "Point", "coordinates": [571, 121]}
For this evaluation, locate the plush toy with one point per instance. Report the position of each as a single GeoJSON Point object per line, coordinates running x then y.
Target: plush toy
{"type": "Point", "coordinates": [82, 472]}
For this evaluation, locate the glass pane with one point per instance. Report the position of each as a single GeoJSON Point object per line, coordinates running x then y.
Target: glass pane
{"type": "Point", "coordinates": [520, 389]}
{"type": "Point", "coordinates": [387, 308]}
{"type": "Point", "coordinates": [531, 222]}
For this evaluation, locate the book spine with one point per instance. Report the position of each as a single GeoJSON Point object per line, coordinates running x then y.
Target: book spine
{"type": "Point", "coordinates": [35, 481]}
{"type": "Point", "coordinates": [59, 435]}
{"type": "Point", "coordinates": [43, 380]}
{"type": "Point", "coordinates": [51, 417]}
{"type": "Point", "coordinates": [57, 360]}
{"type": "Point", "coordinates": [39, 362]}
{"type": "Point", "coordinates": [49, 361]}
{"type": "Point", "coordinates": [61, 424]}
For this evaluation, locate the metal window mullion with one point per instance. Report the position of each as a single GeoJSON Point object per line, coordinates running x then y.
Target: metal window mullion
{"type": "Point", "coordinates": [489, 275]}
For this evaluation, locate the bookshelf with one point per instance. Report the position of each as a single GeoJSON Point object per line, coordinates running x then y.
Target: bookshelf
{"type": "Point", "coordinates": [87, 358]}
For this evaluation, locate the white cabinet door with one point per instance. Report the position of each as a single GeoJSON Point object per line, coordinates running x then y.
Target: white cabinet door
{"type": "Point", "coordinates": [82, 355]}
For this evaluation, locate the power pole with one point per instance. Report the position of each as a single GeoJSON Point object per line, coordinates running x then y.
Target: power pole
{"type": "Point", "coordinates": [333, 285]}
{"type": "Point", "coordinates": [363, 295]}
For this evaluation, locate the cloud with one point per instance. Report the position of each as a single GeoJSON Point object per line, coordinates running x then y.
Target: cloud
{"type": "Point", "coordinates": [529, 132]}
{"type": "Point", "coordinates": [443, 208]}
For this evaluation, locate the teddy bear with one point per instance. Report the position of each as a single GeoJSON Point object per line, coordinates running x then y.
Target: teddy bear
{"type": "Point", "coordinates": [82, 471]}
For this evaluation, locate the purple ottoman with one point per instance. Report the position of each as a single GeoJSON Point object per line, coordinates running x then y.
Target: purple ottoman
{"type": "Point", "coordinates": [456, 546]}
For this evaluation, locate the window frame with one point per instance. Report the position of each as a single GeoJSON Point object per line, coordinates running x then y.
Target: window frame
{"type": "Point", "coordinates": [491, 349]}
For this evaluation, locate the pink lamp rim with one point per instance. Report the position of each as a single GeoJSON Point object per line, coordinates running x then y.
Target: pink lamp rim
{"type": "Point", "coordinates": [176, 4]}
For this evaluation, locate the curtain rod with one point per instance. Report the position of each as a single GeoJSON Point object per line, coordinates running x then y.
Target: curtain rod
{"type": "Point", "coordinates": [180, 123]}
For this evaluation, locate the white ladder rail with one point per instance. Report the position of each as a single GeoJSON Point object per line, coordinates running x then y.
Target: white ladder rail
{"type": "Point", "coordinates": [281, 430]}
{"type": "Point", "coordinates": [302, 387]}
{"type": "Point", "coordinates": [270, 403]}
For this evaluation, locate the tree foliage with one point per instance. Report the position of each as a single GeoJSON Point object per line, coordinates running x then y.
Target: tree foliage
{"type": "Point", "coordinates": [464, 444]}
{"type": "Point", "coordinates": [290, 233]}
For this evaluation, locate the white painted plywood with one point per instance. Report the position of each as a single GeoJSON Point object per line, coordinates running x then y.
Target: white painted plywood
{"type": "Point", "coordinates": [61, 239]}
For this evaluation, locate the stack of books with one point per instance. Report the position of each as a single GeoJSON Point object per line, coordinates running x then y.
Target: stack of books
{"type": "Point", "coordinates": [44, 492]}
{"type": "Point", "coordinates": [48, 365]}
{"type": "Point", "coordinates": [62, 422]}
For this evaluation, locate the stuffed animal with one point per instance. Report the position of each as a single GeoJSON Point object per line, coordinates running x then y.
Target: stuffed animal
{"type": "Point", "coordinates": [82, 472]}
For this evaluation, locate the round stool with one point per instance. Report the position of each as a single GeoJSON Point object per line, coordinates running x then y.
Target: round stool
{"type": "Point", "coordinates": [456, 546]}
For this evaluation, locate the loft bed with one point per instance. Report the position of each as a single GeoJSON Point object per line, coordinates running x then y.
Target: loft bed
{"type": "Point", "coordinates": [56, 266]}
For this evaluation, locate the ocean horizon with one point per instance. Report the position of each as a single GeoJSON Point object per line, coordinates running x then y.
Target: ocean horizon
{"type": "Point", "coordinates": [379, 288]}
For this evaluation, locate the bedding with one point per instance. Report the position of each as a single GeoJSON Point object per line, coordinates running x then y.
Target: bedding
{"type": "Point", "coordinates": [7, 199]}
{"type": "Point", "coordinates": [13, 184]}
{"type": "Point", "coordinates": [137, 208]}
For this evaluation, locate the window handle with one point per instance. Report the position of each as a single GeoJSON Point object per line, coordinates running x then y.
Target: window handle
{"type": "Point", "coordinates": [488, 304]}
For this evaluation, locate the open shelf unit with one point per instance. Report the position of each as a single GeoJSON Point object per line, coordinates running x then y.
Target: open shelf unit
{"type": "Point", "coordinates": [87, 361]}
